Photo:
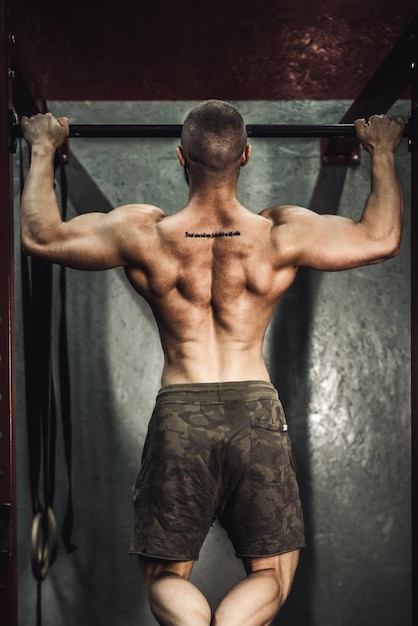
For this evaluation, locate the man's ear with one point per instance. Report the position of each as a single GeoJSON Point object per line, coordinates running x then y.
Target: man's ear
{"type": "Point", "coordinates": [180, 156]}
{"type": "Point", "coordinates": [245, 157]}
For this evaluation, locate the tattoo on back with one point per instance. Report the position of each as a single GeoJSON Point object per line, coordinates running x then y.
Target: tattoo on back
{"type": "Point", "coordinates": [230, 233]}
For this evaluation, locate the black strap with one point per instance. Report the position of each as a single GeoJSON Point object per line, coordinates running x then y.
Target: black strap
{"type": "Point", "coordinates": [37, 299]}
{"type": "Point", "coordinates": [37, 295]}
{"type": "Point", "coordinates": [65, 385]}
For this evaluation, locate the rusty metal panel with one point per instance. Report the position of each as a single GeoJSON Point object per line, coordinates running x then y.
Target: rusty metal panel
{"type": "Point", "coordinates": [414, 310]}
{"type": "Point", "coordinates": [8, 556]}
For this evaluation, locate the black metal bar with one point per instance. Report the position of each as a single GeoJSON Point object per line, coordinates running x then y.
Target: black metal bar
{"type": "Point", "coordinates": [121, 131]}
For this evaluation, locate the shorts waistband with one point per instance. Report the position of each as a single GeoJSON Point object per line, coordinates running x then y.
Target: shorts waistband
{"type": "Point", "coordinates": [242, 390]}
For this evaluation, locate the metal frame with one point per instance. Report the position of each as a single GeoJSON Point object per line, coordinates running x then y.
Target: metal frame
{"type": "Point", "coordinates": [414, 318]}
{"type": "Point", "coordinates": [8, 542]}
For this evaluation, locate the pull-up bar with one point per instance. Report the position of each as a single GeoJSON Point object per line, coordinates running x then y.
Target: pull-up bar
{"type": "Point", "coordinates": [121, 131]}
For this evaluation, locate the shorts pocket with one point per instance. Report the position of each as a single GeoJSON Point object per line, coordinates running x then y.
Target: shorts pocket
{"type": "Point", "coordinates": [271, 460]}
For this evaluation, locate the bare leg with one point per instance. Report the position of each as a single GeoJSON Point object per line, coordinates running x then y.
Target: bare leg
{"type": "Point", "coordinates": [173, 600]}
{"type": "Point", "coordinates": [256, 600]}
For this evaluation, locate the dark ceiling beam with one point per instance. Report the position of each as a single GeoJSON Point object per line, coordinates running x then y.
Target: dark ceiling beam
{"type": "Point", "coordinates": [26, 98]}
{"type": "Point", "coordinates": [390, 81]}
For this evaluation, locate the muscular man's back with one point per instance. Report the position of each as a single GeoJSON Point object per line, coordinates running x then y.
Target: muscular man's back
{"type": "Point", "coordinates": [212, 296]}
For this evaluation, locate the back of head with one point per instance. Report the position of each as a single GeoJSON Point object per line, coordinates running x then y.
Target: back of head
{"type": "Point", "coordinates": [214, 137]}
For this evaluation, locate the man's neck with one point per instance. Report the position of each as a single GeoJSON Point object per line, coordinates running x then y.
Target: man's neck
{"type": "Point", "coordinates": [222, 197]}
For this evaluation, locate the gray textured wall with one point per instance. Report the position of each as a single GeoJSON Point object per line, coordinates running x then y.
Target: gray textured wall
{"type": "Point", "coordinates": [337, 349]}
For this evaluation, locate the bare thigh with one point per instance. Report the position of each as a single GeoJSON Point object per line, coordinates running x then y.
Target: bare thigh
{"type": "Point", "coordinates": [283, 566]}
{"type": "Point", "coordinates": [173, 599]}
{"type": "Point", "coordinates": [152, 568]}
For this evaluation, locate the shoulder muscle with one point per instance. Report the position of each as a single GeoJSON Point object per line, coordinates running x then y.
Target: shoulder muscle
{"type": "Point", "coordinates": [284, 213]}
{"type": "Point", "coordinates": [146, 214]}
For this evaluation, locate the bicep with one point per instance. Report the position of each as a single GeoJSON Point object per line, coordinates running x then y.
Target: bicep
{"type": "Point", "coordinates": [335, 243]}
{"type": "Point", "coordinates": [328, 242]}
{"type": "Point", "coordinates": [91, 241]}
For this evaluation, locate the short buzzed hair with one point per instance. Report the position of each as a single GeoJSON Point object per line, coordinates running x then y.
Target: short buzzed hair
{"type": "Point", "coordinates": [214, 136]}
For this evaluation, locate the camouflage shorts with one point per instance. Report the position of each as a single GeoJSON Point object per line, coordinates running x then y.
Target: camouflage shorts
{"type": "Point", "coordinates": [217, 450]}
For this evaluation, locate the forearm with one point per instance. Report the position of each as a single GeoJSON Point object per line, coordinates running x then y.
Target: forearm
{"type": "Point", "coordinates": [40, 213]}
{"type": "Point", "coordinates": [383, 213]}
{"type": "Point", "coordinates": [88, 241]}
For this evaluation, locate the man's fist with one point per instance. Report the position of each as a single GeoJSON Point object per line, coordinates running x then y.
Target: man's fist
{"type": "Point", "coordinates": [45, 130]}
{"type": "Point", "coordinates": [381, 132]}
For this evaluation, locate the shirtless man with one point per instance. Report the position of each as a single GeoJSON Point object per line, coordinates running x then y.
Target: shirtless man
{"type": "Point", "coordinates": [213, 273]}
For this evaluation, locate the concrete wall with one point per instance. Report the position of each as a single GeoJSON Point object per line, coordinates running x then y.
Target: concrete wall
{"type": "Point", "coordinates": [337, 349]}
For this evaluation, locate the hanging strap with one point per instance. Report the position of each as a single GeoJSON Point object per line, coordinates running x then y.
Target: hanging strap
{"type": "Point", "coordinates": [64, 372]}
{"type": "Point", "coordinates": [41, 404]}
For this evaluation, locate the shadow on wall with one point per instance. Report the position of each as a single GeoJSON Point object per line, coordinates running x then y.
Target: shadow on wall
{"type": "Point", "coordinates": [291, 333]}
{"type": "Point", "coordinates": [108, 457]}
